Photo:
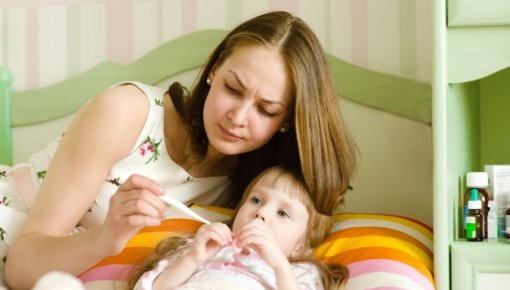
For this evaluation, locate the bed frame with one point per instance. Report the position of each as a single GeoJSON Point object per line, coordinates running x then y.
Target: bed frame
{"type": "Point", "coordinates": [401, 96]}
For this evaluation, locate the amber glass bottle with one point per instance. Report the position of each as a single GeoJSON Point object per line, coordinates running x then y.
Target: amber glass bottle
{"type": "Point", "coordinates": [479, 181]}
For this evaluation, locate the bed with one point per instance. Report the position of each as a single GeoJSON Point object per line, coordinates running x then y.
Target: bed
{"type": "Point", "coordinates": [385, 250]}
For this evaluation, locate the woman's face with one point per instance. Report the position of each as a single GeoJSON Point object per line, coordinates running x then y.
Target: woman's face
{"type": "Point", "coordinates": [249, 100]}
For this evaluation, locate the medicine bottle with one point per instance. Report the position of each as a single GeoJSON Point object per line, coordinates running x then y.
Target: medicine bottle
{"type": "Point", "coordinates": [474, 217]}
{"type": "Point", "coordinates": [479, 181]}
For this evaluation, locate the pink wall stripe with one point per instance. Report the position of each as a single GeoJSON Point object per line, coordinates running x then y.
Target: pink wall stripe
{"type": "Point", "coordinates": [3, 59]}
{"type": "Point", "coordinates": [289, 6]}
{"type": "Point", "coordinates": [189, 16]}
{"type": "Point", "coordinates": [119, 32]}
{"type": "Point", "coordinates": [359, 32]}
{"type": "Point", "coordinates": [32, 48]}
{"type": "Point", "coordinates": [39, 3]}
{"type": "Point", "coordinates": [408, 31]}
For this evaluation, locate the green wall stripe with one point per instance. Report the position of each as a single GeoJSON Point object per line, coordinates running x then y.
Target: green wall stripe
{"type": "Point", "coordinates": [160, 23]}
{"type": "Point", "coordinates": [233, 12]}
{"type": "Point", "coordinates": [73, 32]}
{"type": "Point", "coordinates": [327, 26]}
{"type": "Point", "coordinates": [407, 27]}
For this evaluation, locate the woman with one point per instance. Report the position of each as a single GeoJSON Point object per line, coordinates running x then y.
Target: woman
{"type": "Point", "coordinates": [264, 97]}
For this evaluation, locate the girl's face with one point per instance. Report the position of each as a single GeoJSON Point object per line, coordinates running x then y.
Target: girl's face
{"type": "Point", "coordinates": [249, 100]}
{"type": "Point", "coordinates": [286, 217]}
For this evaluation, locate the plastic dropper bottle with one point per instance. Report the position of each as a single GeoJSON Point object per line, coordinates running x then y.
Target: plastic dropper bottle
{"type": "Point", "coordinates": [474, 218]}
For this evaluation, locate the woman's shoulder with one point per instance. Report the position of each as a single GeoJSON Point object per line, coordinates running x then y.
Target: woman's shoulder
{"type": "Point", "coordinates": [118, 104]}
{"type": "Point", "coordinates": [129, 95]}
{"type": "Point", "coordinates": [122, 93]}
{"type": "Point", "coordinates": [152, 92]}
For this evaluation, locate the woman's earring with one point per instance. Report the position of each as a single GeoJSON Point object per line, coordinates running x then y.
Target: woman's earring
{"type": "Point", "coordinates": [283, 129]}
{"type": "Point", "coordinates": [208, 81]}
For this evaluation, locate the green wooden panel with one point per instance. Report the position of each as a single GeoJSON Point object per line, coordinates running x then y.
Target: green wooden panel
{"type": "Point", "coordinates": [470, 260]}
{"type": "Point", "coordinates": [401, 96]}
{"type": "Point", "coordinates": [478, 12]}
{"type": "Point", "coordinates": [476, 52]}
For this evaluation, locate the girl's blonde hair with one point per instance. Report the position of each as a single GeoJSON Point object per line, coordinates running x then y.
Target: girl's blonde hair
{"type": "Point", "coordinates": [318, 141]}
{"type": "Point", "coordinates": [334, 276]}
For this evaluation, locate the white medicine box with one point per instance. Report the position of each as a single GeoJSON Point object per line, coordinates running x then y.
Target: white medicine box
{"type": "Point", "coordinates": [499, 189]}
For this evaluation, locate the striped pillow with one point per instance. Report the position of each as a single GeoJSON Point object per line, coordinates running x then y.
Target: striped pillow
{"type": "Point", "coordinates": [113, 272]}
{"type": "Point", "coordinates": [381, 251]}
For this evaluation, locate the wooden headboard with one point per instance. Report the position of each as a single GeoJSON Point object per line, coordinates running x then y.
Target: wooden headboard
{"type": "Point", "coordinates": [388, 171]}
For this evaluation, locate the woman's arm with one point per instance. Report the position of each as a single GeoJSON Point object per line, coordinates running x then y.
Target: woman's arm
{"type": "Point", "coordinates": [103, 132]}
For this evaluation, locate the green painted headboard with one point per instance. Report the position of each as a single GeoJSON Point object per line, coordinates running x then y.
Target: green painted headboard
{"type": "Point", "coordinates": [401, 96]}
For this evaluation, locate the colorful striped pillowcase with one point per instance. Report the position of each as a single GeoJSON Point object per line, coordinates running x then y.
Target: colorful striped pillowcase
{"type": "Point", "coordinates": [113, 272]}
{"type": "Point", "coordinates": [381, 251]}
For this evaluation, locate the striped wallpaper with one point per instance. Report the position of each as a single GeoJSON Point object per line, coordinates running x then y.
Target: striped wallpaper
{"type": "Point", "coordinates": [46, 41]}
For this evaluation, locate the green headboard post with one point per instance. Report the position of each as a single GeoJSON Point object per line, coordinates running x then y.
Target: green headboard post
{"type": "Point", "coordinates": [5, 117]}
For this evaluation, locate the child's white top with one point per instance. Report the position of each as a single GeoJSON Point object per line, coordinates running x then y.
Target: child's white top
{"type": "Point", "coordinates": [229, 269]}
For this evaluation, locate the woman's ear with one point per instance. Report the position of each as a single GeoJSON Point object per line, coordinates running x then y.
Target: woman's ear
{"type": "Point", "coordinates": [285, 127]}
{"type": "Point", "coordinates": [212, 71]}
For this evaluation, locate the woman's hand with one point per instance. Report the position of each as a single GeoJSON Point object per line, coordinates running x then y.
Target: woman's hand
{"type": "Point", "coordinates": [135, 205]}
{"type": "Point", "coordinates": [209, 239]}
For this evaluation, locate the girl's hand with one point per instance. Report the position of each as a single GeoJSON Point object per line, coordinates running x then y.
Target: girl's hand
{"type": "Point", "coordinates": [258, 236]}
{"type": "Point", "coordinates": [209, 239]}
{"type": "Point", "coordinates": [135, 205]}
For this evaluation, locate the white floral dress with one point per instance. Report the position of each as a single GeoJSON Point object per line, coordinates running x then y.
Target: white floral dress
{"type": "Point", "coordinates": [18, 184]}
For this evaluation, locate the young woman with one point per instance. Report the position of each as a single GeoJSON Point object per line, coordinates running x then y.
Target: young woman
{"type": "Point", "coordinates": [264, 97]}
{"type": "Point", "coordinates": [269, 246]}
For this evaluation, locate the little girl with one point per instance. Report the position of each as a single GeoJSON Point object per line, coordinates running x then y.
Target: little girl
{"type": "Point", "coordinates": [269, 246]}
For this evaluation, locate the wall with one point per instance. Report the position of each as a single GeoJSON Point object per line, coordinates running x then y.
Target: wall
{"type": "Point", "coordinates": [47, 41]}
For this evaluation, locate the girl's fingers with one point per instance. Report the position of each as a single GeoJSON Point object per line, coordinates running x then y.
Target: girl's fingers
{"type": "Point", "coordinates": [218, 232]}
{"type": "Point", "coordinates": [255, 233]}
